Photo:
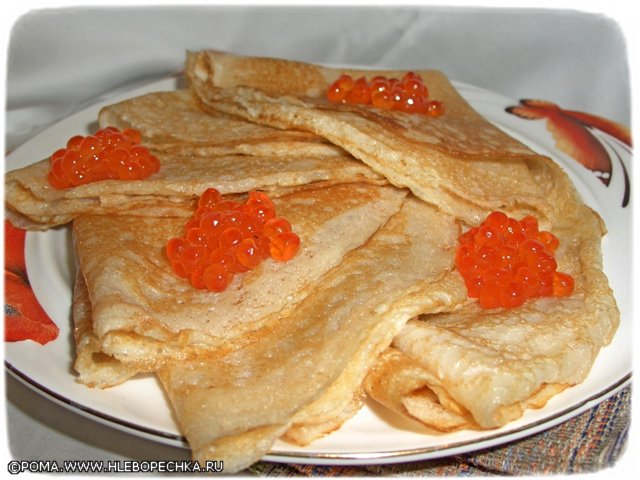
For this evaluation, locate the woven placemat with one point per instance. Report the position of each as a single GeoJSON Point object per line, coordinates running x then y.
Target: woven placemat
{"type": "Point", "coordinates": [589, 442]}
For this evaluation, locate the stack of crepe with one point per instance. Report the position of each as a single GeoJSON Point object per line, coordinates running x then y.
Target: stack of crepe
{"type": "Point", "coordinates": [372, 303]}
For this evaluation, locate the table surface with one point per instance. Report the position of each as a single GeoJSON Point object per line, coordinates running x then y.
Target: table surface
{"type": "Point", "coordinates": [61, 61]}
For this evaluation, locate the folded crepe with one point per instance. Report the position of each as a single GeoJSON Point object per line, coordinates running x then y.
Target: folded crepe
{"type": "Point", "coordinates": [310, 364]}
{"type": "Point", "coordinates": [142, 314]}
{"type": "Point", "coordinates": [402, 384]}
{"type": "Point", "coordinates": [196, 151]}
{"type": "Point", "coordinates": [458, 161]}
{"type": "Point", "coordinates": [477, 368]}
{"type": "Point", "coordinates": [95, 368]}
{"type": "Point", "coordinates": [176, 122]}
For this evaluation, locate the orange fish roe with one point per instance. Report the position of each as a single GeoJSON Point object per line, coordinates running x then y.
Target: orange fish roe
{"type": "Point", "coordinates": [108, 154]}
{"type": "Point", "coordinates": [225, 237]}
{"type": "Point", "coordinates": [506, 261]}
{"type": "Point", "coordinates": [409, 94]}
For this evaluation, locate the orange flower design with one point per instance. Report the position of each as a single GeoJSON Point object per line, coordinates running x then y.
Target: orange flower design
{"type": "Point", "coordinates": [572, 132]}
{"type": "Point", "coordinates": [24, 318]}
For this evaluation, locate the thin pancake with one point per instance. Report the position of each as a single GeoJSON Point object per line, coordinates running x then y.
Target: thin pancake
{"type": "Point", "coordinates": [492, 364]}
{"type": "Point", "coordinates": [144, 314]}
{"type": "Point", "coordinates": [458, 161]}
{"type": "Point", "coordinates": [95, 368]}
{"type": "Point", "coordinates": [197, 150]}
{"type": "Point", "coordinates": [312, 362]}
{"type": "Point", "coordinates": [403, 385]}
{"type": "Point", "coordinates": [34, 204]}
{"type": "Point", "coordinates": [174, 122]}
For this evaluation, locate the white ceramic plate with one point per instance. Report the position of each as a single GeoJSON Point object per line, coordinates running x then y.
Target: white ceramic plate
{"type": "Point", "coordinates": [374, 435]}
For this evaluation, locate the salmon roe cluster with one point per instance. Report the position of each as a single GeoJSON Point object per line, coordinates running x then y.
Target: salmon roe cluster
{"type": "Point", "coordinates": [108, 154]}
{"type": "Point", "coordinates": [408, 94]}
{"type": "Point", "coordinates": [505, 262]}
{"type": "Point", "coordinates": [226, 237]}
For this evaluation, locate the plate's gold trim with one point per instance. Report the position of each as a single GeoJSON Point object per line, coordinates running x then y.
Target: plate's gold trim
{"type": "Point", "coordinates": [394, 456]}
{"type": "Point", "coordinates": [447, 449]}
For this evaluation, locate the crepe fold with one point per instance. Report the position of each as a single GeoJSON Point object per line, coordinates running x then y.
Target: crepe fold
{"type": "Point", "coordinates": [196, 151]}
{"type": "Point", "coordinates": [143, 315]}
{"type": "Point", "coordinates": [477, 368]}
{"type": "Point", "coordinates": [459, 161]}
{"type": "Point", "coordinates": [94, 367]}
{"type": "Point", "coordinates": [308, 368]}
{"type": "Point", "coordinates": [176, 122]}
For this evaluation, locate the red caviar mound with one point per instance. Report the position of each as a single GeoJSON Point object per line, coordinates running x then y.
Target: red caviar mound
{"type": "Point", "coordinates": [505, 262]}
{"type": "Point", "coordinates": [225, 237]}
{"type": "Point", "coordinates": [408, 94]}
{"type": "Point", "coordinates": [108, 154]}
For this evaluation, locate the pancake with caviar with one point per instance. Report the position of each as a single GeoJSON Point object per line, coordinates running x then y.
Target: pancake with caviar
{"type": "Point", "coordinates": [195, 151]}
{"type": "Point", "coordinates": [33, 204]}
{"type": "Point", "coordinates": [310, 366]}
{"type": "Point", "coordinates": [482, 367]}
{"type": "Point", "coordinates": [143, 312]}
{"type": "Point", "coordinates": [452, 158]}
